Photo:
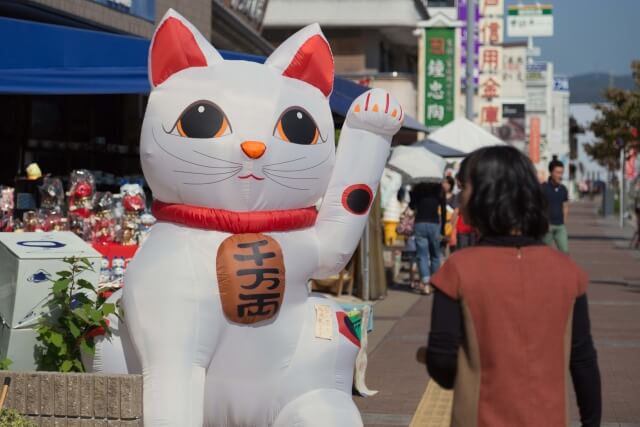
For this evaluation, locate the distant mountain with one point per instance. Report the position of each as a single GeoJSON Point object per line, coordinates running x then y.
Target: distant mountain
{"type": "Point", "coordinates": [589, 88]}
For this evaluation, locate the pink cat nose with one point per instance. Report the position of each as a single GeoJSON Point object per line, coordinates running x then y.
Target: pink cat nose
{"type": "Point", "coordinates": [253, 149]}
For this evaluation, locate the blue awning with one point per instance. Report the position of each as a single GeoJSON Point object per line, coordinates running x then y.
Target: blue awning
{"type": "Point", "coordinates": [45, 59]}
{"type": "Point", "coordinates": [439, 149]}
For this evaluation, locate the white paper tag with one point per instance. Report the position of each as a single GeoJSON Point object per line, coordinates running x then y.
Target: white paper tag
{"type": "Point", "coordinates": [324, 322]}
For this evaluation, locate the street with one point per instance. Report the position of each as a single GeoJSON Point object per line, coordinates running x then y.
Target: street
{"type": "Point", "coordinates": [396, 357]}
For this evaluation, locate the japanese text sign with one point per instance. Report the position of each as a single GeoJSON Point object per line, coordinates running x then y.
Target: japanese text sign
{"type": "Point", "coordinates": [439, 76]}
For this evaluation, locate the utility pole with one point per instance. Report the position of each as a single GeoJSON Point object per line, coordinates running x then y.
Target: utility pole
{"type": "Point", "coordinates": [471, 11]}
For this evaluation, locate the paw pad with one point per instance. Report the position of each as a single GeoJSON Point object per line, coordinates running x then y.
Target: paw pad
{"type": "Point", "coordinates": [357, 199]}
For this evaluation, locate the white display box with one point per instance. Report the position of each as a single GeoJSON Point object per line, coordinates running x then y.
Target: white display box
{"type": "Point", "coordinates": [28, 266]}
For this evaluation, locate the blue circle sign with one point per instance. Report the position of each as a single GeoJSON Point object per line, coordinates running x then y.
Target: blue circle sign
{"type": "Point", "coordinates": [44, 244]}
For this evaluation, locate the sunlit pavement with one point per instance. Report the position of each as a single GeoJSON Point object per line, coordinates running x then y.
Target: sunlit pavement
{"type": "Point", "coordinates": [396, 361]}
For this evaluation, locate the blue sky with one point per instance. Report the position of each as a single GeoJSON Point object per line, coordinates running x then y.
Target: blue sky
{"type": "Point", "coordinates": [591, 35]}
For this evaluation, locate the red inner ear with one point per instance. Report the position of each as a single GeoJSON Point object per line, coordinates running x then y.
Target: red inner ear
{"type": "Point", "coordinates": [174, 49]}
{"type": "Point", "coordinates": [313, 64]}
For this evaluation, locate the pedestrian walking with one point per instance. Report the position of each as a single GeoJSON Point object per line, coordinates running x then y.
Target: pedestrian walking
{"type": "Point", "coordinates": [451, 200]}
{"type": "Point", "coordinates": [558, 201]}
{"type": "Point", "coordinates": [428, 202]}
{"type": "Point", "coordinates": [515, 308]}
{"type": "Point", "coordinates": [465, 234]}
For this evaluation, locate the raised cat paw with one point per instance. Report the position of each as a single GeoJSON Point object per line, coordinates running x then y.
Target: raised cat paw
{"type": "Point", "coordinates": [376, 111]}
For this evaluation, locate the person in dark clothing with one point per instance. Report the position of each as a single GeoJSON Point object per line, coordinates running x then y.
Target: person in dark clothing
{"type": "Point", "coordinates": [516, 309]}
{"type": "Point", "coordinates": [429, 204]}
{"type": "Point", "coordinates": [557, 200]}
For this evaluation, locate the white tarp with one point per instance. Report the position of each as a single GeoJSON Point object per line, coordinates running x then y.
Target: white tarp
{"type": "Point", "coordinates": [418, 163]}
{"type": "Point", "coordinates": [464, 135]}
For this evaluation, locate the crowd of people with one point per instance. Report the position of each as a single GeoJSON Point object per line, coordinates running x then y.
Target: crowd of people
{"type": "Point", "coordinates": [510, 315]}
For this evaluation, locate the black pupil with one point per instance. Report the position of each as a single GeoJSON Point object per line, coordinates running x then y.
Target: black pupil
{"type": "Point", "coordinates": [298, 126]}
{"type": "Point", "coordinates": [201, 120]}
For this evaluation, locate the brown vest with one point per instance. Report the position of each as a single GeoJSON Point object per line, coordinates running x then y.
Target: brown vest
{"type": "Point", "coordinates": [517, 304]}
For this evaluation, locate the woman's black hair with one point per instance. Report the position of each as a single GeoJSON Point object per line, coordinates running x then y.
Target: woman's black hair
{"type": "Point", "coordinates": [505, 193]}
{"type": "Point", "coordinates": [451, 182]}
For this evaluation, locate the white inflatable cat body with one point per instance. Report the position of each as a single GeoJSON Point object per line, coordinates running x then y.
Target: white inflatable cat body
{"type": "Point", "coordinates": [216, 301]}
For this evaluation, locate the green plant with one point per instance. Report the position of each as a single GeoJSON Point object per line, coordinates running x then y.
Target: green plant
{"type": "Point", "coordinates": [12, 418]}
{"type": "Point", "coordinates": [5, 364]}
{"type": "Point", "coordinates": [77, 314]}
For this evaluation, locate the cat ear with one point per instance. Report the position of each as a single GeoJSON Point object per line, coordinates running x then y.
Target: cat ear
{"type": "Point", "coordinates": [177, 45]}
{"type": "Point", "coordinates": [306, 56]}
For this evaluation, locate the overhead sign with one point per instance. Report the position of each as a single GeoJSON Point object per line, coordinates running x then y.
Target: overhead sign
{"type": "Point", "coordinates": [439, 77]}
{"type": "Point", "coordinates": [530, 20]}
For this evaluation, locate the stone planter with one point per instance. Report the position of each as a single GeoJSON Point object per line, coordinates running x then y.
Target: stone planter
{"type": "Point", "coordinates": [51, 399]}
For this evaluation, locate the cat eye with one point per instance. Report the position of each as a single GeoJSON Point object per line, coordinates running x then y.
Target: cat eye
{"type": "Point", "coordinates": [203, 119]}
{"type": "Point", "coordinates": [296, 125]}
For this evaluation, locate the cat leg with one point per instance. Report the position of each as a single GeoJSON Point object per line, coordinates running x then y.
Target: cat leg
{"type": "Point", "coordinates": [173, 328]}
{"type": "Point", "coordinates": [320, 408]}
{"type": "Point", "coordinates": [372, 120]}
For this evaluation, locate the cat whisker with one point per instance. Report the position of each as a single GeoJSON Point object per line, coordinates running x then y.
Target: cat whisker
{"type": "Point", "coordinates": [216, 158]}
{"type": "Point", "coordinates": [153, 133]}
{"type": "Point", "coordinates": [288, 177]}
{"type": "Point", "coordinates": [284, 185]}
{"type": "Point", "coordinates": [236, 169]}
{"type": "Point", "coordinates": [297, 170]}
{"type": "Point", "coordinates": [214, 182]}
{"type": "Point", "coordinates": [282, 163]}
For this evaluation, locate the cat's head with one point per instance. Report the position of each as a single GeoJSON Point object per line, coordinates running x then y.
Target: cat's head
{"type": "Point", "coordinates": [237, 135]}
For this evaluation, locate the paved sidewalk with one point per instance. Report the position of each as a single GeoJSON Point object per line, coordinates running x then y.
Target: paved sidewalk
{"type": "Point", "coordinates": [396, 361]}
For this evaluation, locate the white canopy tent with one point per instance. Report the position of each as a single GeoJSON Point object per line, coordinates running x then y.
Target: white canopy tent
{"type": "Point", "coordinates": [417, 163]}
{"type": "Point", "coordinates": [464, 135]}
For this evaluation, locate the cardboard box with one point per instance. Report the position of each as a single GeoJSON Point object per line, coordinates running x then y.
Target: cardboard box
{"type": "Point", "coordinates": [28, 265]}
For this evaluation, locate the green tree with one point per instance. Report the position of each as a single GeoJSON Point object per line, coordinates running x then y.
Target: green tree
{"type": "Point", "coordinates": [618, 119]}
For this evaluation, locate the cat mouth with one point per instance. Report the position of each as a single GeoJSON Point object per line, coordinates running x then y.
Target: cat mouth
{"type": "Point", "coordinates": [257, 178]}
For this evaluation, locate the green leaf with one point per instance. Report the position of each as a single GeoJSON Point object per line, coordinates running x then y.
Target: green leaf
{"type": "Point", "coordinates": [95, 315]}
{"type": "Point", "coordinates": [56, 339]}
{"type": "Point", "coordinates": [86, 262]}
{"type": "Point", "coordinates": [79, 366]}
{"type": "Point", "coordinates": [66, 366]}
{"type": "Point", "coordinates": [86, 285]}
{"type": "Point", "coordinates": [61, 285]}
{"type": "Point", "coordinates": [75, 331]}
{"type": "Point", "coordinates": [108, 308]}
{"type": "Point", "coordinates": [83, 299]}
{"type": "Point", "coordinates": [81, 313]}
{"type": "Point", "coordinates": [85, 347]}
{"type": "Point", "coordinates": [64, 273]}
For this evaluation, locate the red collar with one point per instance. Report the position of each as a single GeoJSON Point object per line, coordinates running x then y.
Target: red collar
{"type": "Point", "coordinates": [234, 222]}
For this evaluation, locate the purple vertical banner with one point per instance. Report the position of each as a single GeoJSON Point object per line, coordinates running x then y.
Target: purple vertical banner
{"type": "Point", "coordinates": [462, 16]}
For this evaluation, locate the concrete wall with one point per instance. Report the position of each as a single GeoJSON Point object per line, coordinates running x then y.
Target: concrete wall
{"type": "Point", "coordinates": [196, 11]}
{"type": "Point", "coordinates": [76, 400]}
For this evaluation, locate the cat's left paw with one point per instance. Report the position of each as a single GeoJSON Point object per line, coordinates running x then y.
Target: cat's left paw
{"type": "Point", "coordinates": [376, 111]}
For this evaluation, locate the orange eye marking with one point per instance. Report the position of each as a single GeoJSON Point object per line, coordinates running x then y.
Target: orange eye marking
{"type": "Point", "coordinates": [315, 137]}
{"type": "Point", "coordinates": [223, 128]}
{"type": "Point", "coordinates": [281, 133]}
{"type": "Point", "coordinates": [394, 112]}
{"type": "Point", "coordinates": [180, 131]}
{"type": "Point", "coordinates": [357, 108]}
{"type": "Point", "coordinates": [375, 108]}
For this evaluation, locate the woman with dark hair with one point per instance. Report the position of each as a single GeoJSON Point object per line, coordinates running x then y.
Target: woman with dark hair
{"type": "Point", "coordinates": [515, 308]}
{"type": "Point", "coordinates": [428, 202]}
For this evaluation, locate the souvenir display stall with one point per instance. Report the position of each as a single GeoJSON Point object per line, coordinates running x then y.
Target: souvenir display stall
{"type": "Point", "coordinates": [113, 223]}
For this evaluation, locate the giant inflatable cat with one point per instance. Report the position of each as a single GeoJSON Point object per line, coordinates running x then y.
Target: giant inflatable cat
{"type": "Point", "coordinates": [216, 302]}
